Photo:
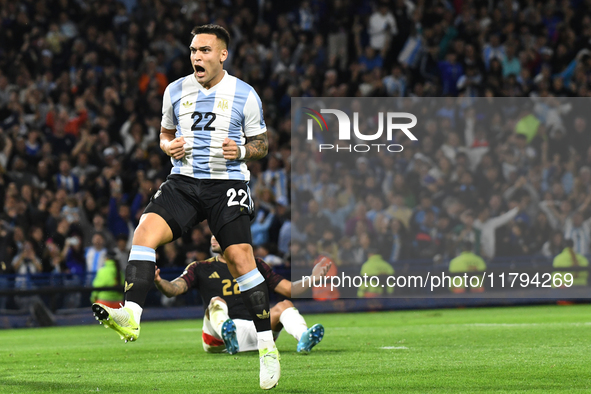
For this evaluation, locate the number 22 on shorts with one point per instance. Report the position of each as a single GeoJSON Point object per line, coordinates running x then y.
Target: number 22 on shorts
{"type": "Point", "coordinates": [231, 193]}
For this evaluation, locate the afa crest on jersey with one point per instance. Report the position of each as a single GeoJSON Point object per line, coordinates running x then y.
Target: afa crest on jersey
{"type": "Point", "coordinates": [223, 104]}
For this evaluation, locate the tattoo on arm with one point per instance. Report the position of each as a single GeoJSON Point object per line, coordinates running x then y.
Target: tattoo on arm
{"type": "Point", "coordinates": [180, 286]}
{"type": "Point", "coordinates": [256, 147]}
{"type": "Point", "coordinates": [174, 288]}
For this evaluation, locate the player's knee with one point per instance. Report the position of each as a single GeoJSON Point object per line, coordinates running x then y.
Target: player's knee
{"type": "Point", "coordinates": [152, 231]}
{"type": "Point", "coordinates": [281, 306]}
{"type": "Point", "coordinates": [239, 254]}
{"type": "Point", "coordinates": [216, 299]}
{"type": "Point", "coordinates": [141, 235]}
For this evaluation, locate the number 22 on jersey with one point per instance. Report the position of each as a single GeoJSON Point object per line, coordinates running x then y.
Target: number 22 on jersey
{"type": "Point", "coordinates": [227, 289]}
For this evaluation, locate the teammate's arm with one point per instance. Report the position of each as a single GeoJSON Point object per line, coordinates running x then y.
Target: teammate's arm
{"type": "Point", "coordinates": [289, 289]}
{"type": "Point", "coordinates": [256, 148]}
{"type": "Point", "coordinates": [170, 289]}
{"type": "Point", "coordinates": [173, 147]}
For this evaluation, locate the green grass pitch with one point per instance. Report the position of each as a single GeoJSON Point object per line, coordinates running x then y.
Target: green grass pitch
{"type": "Point", "coordinates": [485, 350]}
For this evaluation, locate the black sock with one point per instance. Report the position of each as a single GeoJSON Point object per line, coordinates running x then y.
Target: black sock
{"type": "Point", "coordinates": [139, 276]}
{"type": "Point", "coordinates": [256, 300]}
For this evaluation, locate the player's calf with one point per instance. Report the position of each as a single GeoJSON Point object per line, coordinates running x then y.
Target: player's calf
{"type": "Point", "coordinates": [139, 276]}
{"type": "Point", "coordinates": [217, 313]}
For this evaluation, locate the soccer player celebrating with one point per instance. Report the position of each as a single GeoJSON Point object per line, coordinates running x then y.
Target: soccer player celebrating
{"type": "Point", "coordinates": [212, 123]}
{"type": "Point", "coordinates": [226, 324]}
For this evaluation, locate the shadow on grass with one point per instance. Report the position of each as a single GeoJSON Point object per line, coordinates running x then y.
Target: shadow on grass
{"type": "Point", "coordinates": [315, 351]}
{"type": "Point", "coordinates": [57, 387]}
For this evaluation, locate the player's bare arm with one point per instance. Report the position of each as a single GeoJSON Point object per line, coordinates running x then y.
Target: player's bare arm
{"type": "Point", "coordinates": [289, 289]}
{"type": "Point", "coordinates": [170, 289]}
{"type": "Point", "coordinates": [171, 145]}
{"type": "Point", "coordinates": [256, 148]}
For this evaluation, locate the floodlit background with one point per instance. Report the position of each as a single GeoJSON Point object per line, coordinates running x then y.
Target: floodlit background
{"type": "Point", "coordinates": [81, 86]}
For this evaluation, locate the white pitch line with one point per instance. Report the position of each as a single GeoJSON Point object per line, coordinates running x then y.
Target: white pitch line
{"type": "Point", "coordinates": [522, 324]}
{"type": "Point", "coordinates": [557, 324]}
{"type": "Point", "coordinates": [394, 348]}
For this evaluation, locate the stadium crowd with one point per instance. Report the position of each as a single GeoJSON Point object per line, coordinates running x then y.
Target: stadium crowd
{"type": "Point", "coordinates": [81, 87]}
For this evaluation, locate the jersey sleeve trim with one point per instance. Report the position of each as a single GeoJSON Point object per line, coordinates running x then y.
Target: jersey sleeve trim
{"type": "Point", "coordinates": [271, 278]}
{"type": "Point", "coordinates": [254, 123]}
{"type": "Point", "coordinates": [167, 111]}
{"type": "Point", "coordinates": [189, 275]}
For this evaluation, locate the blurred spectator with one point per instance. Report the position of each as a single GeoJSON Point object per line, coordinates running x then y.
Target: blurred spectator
{"type": "Point", "coordinates": [169, 256]}
{"type": "Point", "coordinates": [265, 252]}
{"type": "Point", "coordinates": [73, 255]}
{"type": "Point", "coordinates": [65, 179]}
{"type": "Point", "coordinates": [450, 71]}
{"type": "Point", "coordinates": [275, 178]}
{"type": "Point", "coordinates": [96, 254]}
{"type": "Point", "coordinates": [466, 232]}
{"type": "Point", "coordinates": [579, 231]}
{"type": "Point", "coordinates": [359, 215]}
{"type": "Point", "coordinates": [92, 100]}
{"type": "Point", "coordinates": [554, 245]}
{"type": "Point", "coordinates": [466, 262]}
{"type": "Point", "coordinates": [382, 26]}
{"type": "Point", "coordinates": [261, 225]}
{"type": "Point", "coordinates": [25, 264]}
{"type": "Point", "coordinates": [108, 275]}
{"type": "Point", "coordinates": [152, 77]}
{"type": "Point", "coordinates": [540, 232]}
{"type": "Point", "coordinates": [488, 226]}
{"type": "Point", "coordinates": [121, 251]}
{"type": "Point", "coordinates": [514, 243]}
{"type": "Point", "coordinates": [569, 258]}
{"type": "Point", "coordinates": [375, 266]}
{"type": "Point", "coordinates": [284, 236]}
{"type": "Point", "coordinates": [4, 283]}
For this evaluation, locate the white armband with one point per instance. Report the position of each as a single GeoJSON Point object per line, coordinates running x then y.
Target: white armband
{"type": "Point", "coordinates": [242, 152]}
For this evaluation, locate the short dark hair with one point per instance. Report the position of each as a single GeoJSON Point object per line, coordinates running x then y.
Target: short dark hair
{"type": "Point", "coordinates": [467, 246]}
{"type": "Point", "coordinates": [216, 30]}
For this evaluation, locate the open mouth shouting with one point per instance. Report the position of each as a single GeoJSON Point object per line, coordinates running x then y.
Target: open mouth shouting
{"type": "Point", "coordinates": [199, 71]}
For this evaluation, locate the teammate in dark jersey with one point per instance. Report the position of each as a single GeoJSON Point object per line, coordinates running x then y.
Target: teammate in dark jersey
{"type": "Point", "coordinates": [212, 278]}
{"type": "Point", "coordinates": [227, 325]}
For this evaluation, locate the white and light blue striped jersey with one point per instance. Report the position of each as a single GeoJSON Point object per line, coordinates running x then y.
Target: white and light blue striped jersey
{"type": "Point", "coordinates": [581, 236]}
{"type": "Point", "coordinates": [205, 117]}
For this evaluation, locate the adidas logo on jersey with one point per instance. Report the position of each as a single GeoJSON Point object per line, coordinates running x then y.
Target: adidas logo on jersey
{"type": "Point", "coordinates": [187, 104]}
{"type": "Point", "coordinates": [264, 315]}
{"type": "Point", "coordinates": [215, 275]}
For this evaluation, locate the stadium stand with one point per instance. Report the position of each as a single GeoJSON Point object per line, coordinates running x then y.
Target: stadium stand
{"type": "Point", "coordinates": [80, 99]}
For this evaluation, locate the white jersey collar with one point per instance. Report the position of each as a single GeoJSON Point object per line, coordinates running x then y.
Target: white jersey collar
{"type": "Point", "coordinates": [213, 88]}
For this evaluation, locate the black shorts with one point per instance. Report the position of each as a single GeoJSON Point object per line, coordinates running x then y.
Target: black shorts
{"type": "Point", "coordinates": [183, 202]}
